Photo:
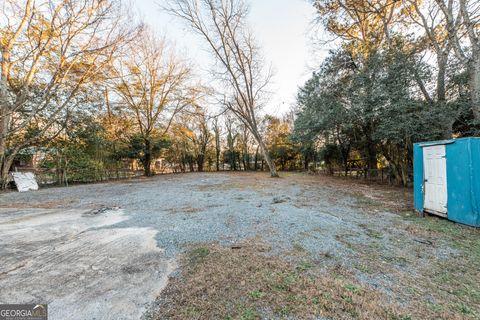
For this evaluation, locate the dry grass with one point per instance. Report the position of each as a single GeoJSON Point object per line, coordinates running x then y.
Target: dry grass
{"type": "Point", "coordinates": [42, 205]}
{"type": "Point", "coordinates": [453, 283]}
{"type": "Point", "coordinates": [185, 210]}
{"type": "Point", "coordinates": [221, 283]}
{"type": "Point", "coordinates": [243, 283]}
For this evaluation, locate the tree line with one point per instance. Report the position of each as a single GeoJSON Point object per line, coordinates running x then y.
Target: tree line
{"type": "Point", "coordinates": [86, 86]}
{"type": "Point", "coordinates": [88, 90]}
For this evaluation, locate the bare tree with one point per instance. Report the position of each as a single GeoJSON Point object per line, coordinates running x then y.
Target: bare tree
{"type": "Point", "coordinates": [222, 24]}
{"type": "Point", "coordinates": [153, 86]}
{"type": "Point", "coordinates": [463, 27]}
{"type": "Point", "coordinates": [51, 50]}
{"type": "Point", "coordinates": [192, 127]}
{"type": "Point", "coordinates": [428, 16]}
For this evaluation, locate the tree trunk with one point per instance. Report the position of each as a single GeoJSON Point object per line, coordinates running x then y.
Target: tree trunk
{"type": "Point", "coordinates": [442, 67]}
{"type": "Point", "coordinates": [244, 162]}
{"type": "Point", "coordinates": [345, 151]}
{"type": "Point", "coordinates": [475, 86]}
{"type": "Point", "coordinates": [200, 162]}
{"type": "Point", "coordinates": [217, 146]}
{"type": "Point", "coordinates": [256, 159]}
{"type": "Point", "coordinates": [371, 159]}
{"type": "Point", "coordinates": [266, 156]}
{"type": "Point", "coordinates": [4, 123]}
{"type": "Point", "coordinates": [147, 161]}
{"type": "Point", "coordinates": [233, 161]}
{"type": "Point", "coordinates": [183, 165]}
{"type": "Point", "coordinates": [441, 93]}
{"type": "Point", "coordinates": [5, 169]}
{"type": "Point", "coordinates": [345, 166]}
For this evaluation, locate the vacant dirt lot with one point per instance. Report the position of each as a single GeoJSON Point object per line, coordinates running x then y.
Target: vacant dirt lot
{"type": "Point", "coordinates": [235, 246]}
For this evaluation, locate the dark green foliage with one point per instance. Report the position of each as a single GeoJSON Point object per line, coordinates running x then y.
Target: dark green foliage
{"type": "Point", "coordinates": [330, 154]}
{"type": "Point", "coordinates": [78, 155]}
{"type": "Point", "coordinates": [372, 106]}
{"type": "Point", "coordinates": [144, 149]}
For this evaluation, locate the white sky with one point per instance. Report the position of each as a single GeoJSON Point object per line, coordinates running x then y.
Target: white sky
{"type": "Point", "coordinates": [281, 29]}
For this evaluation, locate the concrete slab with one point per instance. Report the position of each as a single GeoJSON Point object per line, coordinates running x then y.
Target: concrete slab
{"type": "Point", "coordinates": [80, 264]}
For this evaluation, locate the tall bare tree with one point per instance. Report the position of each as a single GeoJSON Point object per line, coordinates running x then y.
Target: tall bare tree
{"type": "Point", "coordinates": [222, 24]}
{"type": "Point", "coordinates": [153, 85]}
{"type": "Point", "coordinates": [192, 127]}
{"type": "Point", "coordinates": [463, 28]}
{"type": "Point", "coordinates": [427, 15]}
{"type": "Point", "coordinates": [51, 50]}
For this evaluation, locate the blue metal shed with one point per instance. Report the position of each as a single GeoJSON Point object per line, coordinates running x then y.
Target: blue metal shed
{"type": "Point", "coordinates": [447, 179]}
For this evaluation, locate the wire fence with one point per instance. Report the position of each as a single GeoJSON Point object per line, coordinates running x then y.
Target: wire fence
{"type": "Point", "coordinates": [46, 177]}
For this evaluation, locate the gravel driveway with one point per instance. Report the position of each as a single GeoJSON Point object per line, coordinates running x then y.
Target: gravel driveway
{"type": "Point", "coordinates": [57, 247]}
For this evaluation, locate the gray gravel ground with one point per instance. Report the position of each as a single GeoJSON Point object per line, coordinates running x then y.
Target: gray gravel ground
{"type": "Point", "coordinates": [288, 214]}
{"type": "Point", "coordinates": [194, 208]}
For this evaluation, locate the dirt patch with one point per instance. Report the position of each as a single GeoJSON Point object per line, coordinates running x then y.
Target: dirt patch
{"type": "Point", "coordinates": [185, 210]}
{"type": "Point", "coordinates": [41, 205]}
{"type": "Point", "coordinates": [244, 283]}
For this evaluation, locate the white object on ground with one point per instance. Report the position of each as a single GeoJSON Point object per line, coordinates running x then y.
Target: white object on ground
{"type": "Point", "coordinates": [25, 181]}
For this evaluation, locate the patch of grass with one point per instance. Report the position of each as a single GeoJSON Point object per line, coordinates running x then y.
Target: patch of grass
{"type": "Point", "coordinates": [362, 267]}
{"type": "Point", "coordinates": [197, 255]}
{"type": "Point", "coordinates": [413, 291]}
{"type": "Point", "coordinates": [374, 234]}
{"type": "Point", "coordinates": [282, 311]}
{"type": "Point", "coordinates": [256, 294]}
{"type": "Point", "coordinates": [304, 266]}
{"type": "Point", "coordinates": [370, 232]}
{"type": "Point", "coordinates": [439, 225]}
{"type": "Point", "coordinates": [297, 247]}
{"type": "Point", "coordinates": [189, 312]}
{"type": "Point", "coordinates": [466, 310]}
{"type": "Point", "coordinates": [352, 288]}
{"type": "Point", "coordinates": [362, 201]}
{"type": "Point", "coordinates": [248, 314]}
{"type": "Point", "coordinates": [452, 279]}
{"type": "Point", "coordinates": [246, 284]}
{"type": "Point", "coordinates": [396, 260]}
{"type": "Point", "coordinates": [342, 238]}
{"type": "Point", "coordinates": [403, 317]}
{"type": "Point", "coordinates": [281, 281]}
{"type": "Point", "coordinates": [434, 307]}
{"type": "Point", "coordinates": [348, 299]}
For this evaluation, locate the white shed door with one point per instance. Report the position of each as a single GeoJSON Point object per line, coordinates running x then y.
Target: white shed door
{"type": "Point", "coordinates": [435, 175]}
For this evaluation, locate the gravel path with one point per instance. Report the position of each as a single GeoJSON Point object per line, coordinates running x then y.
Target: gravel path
{"type": "Point", "coordinates": [296, 216]}
{"type": "Point", "coordinates": [194, 208]}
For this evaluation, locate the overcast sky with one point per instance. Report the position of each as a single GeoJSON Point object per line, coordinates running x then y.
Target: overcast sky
{"type": "Point", "coordinates": [281, 29]}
